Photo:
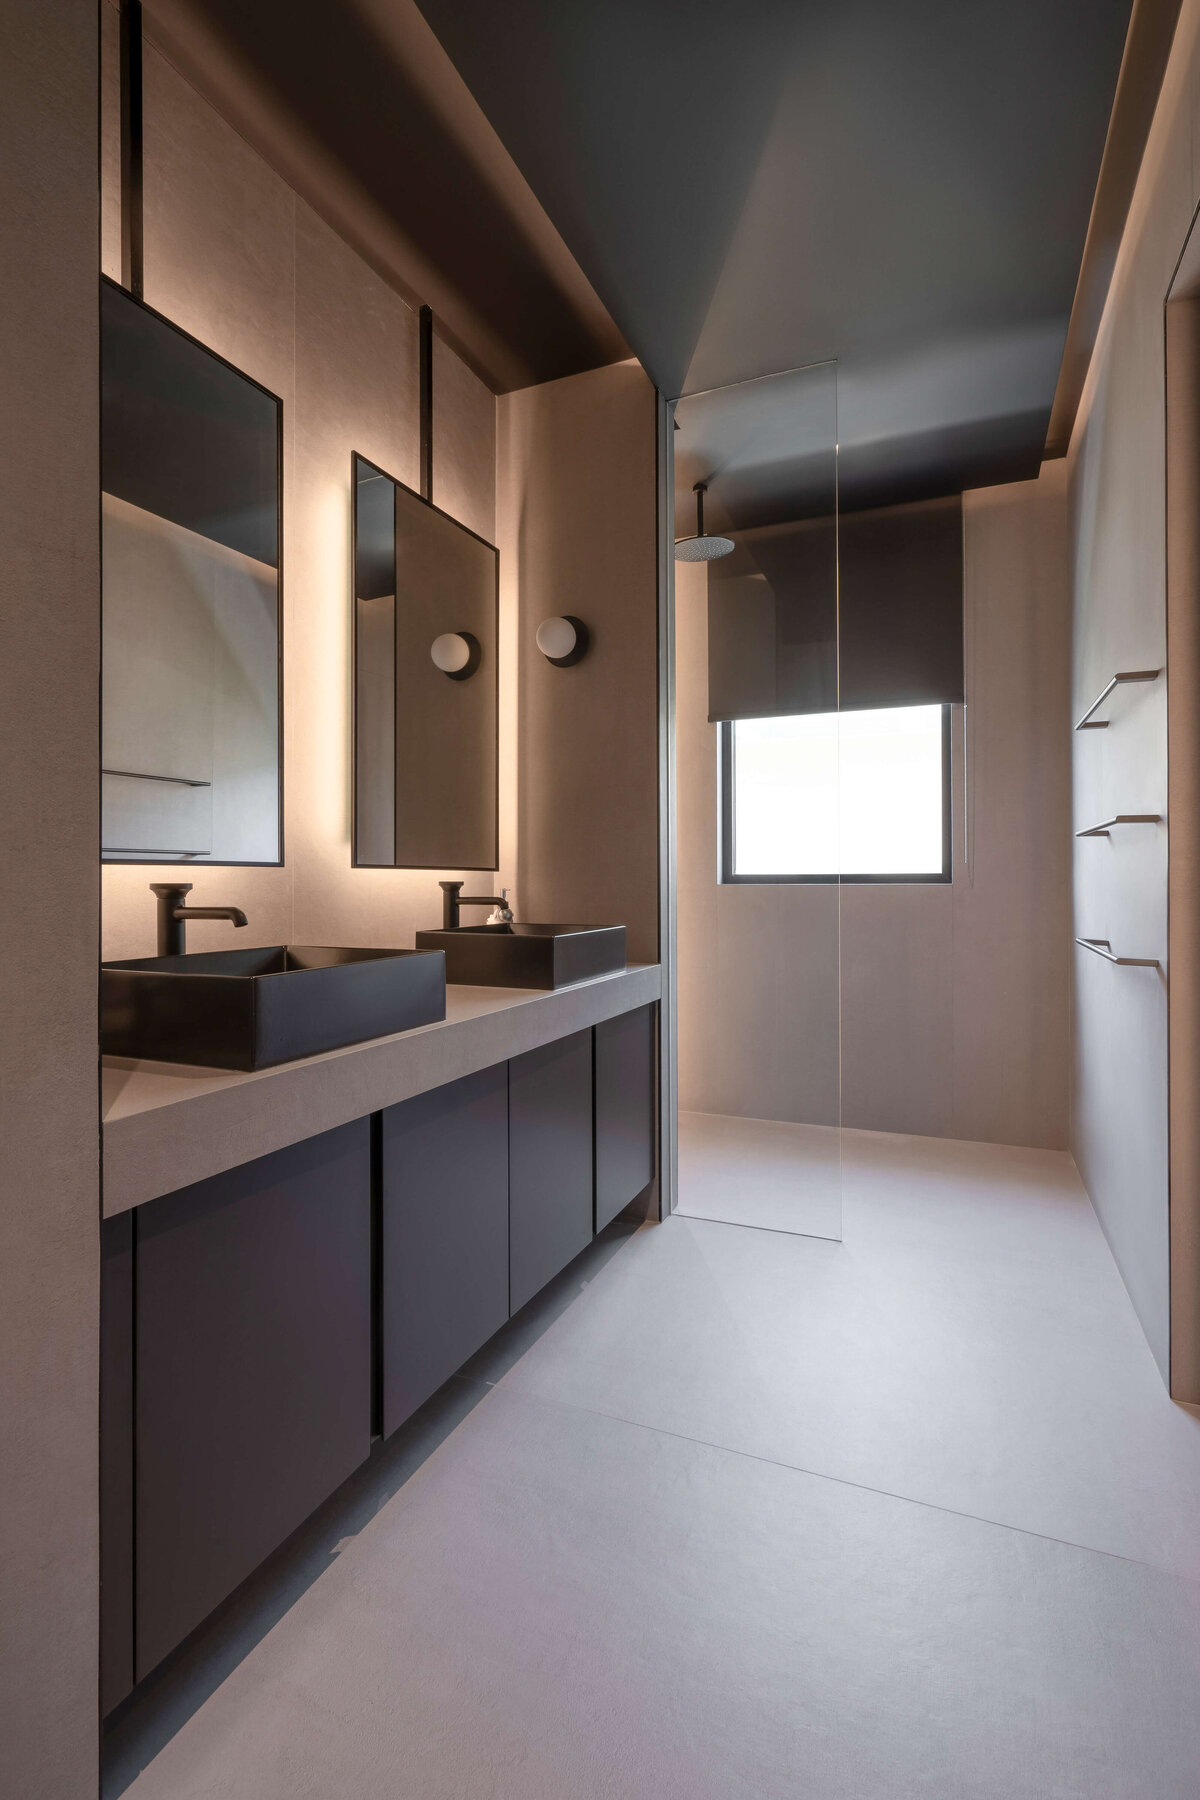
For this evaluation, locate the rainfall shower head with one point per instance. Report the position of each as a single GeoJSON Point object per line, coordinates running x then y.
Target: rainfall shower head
{"type": "Point", "coordinates": [702, 547]}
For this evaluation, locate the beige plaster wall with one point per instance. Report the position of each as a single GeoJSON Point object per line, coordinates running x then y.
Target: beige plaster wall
{"type": "Point", "coordinates": [49, 901]}
{"type": "Point", "coordinates": [1121, 1124]}
{"type": "Point", "coordinates": [1183, 753]}
{"type": "Point", "coordinates": [951, 1001]}
{"type": "Point", "coordinates": [235, 257]}
{"type": "Point", "coordinates": [578, 534]}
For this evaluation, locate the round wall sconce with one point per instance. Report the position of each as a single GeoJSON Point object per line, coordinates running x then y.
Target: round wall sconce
{"type": "Point", "coordinates": [563, 640]}
{"type": "Point", "coordinates": [457, 654]}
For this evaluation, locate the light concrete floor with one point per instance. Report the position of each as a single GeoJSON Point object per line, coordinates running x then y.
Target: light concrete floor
{"type": "Point", "coordinates": [761, 1172]}
{"type": "Point", "coordinates": [736, 1515]}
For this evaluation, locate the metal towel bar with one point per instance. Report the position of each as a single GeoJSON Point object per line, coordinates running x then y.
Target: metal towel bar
{"type": "Point", "coordinates": [1106, 825]}
{"type": "Point", "coordinates": [137, 775]}
{"type": "Point", "coordinates": [1102, 947]}
{"type": "Point", "coordinates": [1087, 723]}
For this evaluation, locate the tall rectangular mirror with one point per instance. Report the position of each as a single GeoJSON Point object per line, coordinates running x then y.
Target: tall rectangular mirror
{"type": "Point", "coordinates": [190, 472]}
{"type": "Point", "coordinates": [426, 598]}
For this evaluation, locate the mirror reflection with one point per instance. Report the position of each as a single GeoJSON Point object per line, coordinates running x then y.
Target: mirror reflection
{"type": "Point", "coordinates": [425, 682]}
{"type": "Point", "coordinates": [190, 461]}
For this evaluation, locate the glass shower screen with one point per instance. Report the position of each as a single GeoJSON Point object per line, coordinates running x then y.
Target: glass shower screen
{"type": "Point", "coordinates": [759, 757]}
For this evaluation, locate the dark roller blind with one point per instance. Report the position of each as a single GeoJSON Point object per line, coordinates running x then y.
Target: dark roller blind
{"type": "Point", "coordinates": [895, 579]}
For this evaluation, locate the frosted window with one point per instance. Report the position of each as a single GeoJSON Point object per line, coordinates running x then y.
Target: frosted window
{"type": "Point", "coordinates": [851, 794]}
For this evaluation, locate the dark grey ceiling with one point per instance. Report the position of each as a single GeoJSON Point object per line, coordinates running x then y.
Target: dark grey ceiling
{"type": "Point", "coordinates": [750, 186]}
{"type": "Point", "coordinates": [339, 96]}
{"type": "Point", "coordinates": [766, 450]}
{"type": "Point", "coordinates": [902, 185]}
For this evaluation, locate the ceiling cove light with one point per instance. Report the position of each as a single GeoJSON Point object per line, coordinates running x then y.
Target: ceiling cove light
{"type": "Point", "coordinates": [702, 547]}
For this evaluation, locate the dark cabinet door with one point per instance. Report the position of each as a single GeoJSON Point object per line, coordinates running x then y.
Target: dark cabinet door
{"type": "Point", "coordinates": [445, 1234]}
{"type": "Point", "coordinates": [549, 1162]}
{"type": "Point", "coordinates": [624, 1111]}
{"type": "Point", "coordinates": [253, 1370]}
{"type": "Point", "coordinates": [116, 1460]}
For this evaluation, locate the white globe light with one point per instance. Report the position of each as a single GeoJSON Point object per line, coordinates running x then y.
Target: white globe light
{"type": "Point", "coordinates": [556, 637]}
{"type": "Point", "coordinates": [450, 652]}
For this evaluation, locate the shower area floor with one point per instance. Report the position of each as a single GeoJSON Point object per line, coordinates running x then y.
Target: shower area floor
{"type": "Point", "coordinates": [761, 1172]}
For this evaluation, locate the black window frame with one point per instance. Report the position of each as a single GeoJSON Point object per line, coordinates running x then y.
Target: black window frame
{"type": "Point", "coordinates": [728, 878]}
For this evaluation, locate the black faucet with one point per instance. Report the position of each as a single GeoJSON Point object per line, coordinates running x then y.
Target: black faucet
{"type": "Point", "coordinates": [453, 897]}
{"type": "Point", "coordinates": [173, 915]}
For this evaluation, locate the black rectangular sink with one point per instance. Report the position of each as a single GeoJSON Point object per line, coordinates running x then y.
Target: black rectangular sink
{"type": "Point", "coordinates": [250, 1009]}
{"type": "Point", "coordinates": [528, 956]}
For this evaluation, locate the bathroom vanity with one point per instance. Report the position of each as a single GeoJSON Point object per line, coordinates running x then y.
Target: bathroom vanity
{"type": "Point", "coordinates": [296, 1259]}
{"type": "Point", "coordinates": [387, 1153]}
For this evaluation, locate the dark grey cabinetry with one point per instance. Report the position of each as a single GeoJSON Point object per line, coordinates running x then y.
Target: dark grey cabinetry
{"type": "Point", "coordinates": [549, 1162]}
{"type": "Point", "coordinates": [245, 1319]}
{"type": "Point", "coordinates": [624, 1111]}
{"type": "Point", "coordinates": [253, 1370]}
{"type": "Point", "coordinates": [444, 1270]}
{"type": "Point", "coordinates": [116, 1460]}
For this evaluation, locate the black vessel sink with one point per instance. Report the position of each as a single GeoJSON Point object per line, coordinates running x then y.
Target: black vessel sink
{"type": "Point", "coordinates": [530, 956]}
{"type": "Point", "coordinates": [250, 1009]}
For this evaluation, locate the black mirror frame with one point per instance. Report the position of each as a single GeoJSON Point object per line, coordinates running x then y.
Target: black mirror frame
{"type": "Point", "coordinates": [152, 862]}
{"type": "Point", "coordinates": [357, 459]}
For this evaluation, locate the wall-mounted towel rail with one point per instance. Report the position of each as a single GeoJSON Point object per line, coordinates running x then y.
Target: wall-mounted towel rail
{"type": "Point", "coordinates": [1105, 826]}
{"type": "Point", "coordinates": [138, 775]}
{"type": "Point", "coordinates": [1087, 723]}
{"type": "Point", "coordinates": [1103, 948]}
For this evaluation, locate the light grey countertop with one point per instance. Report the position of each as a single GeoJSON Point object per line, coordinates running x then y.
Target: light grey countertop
{"type": "Point", "coordinates": [166, 1124]}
